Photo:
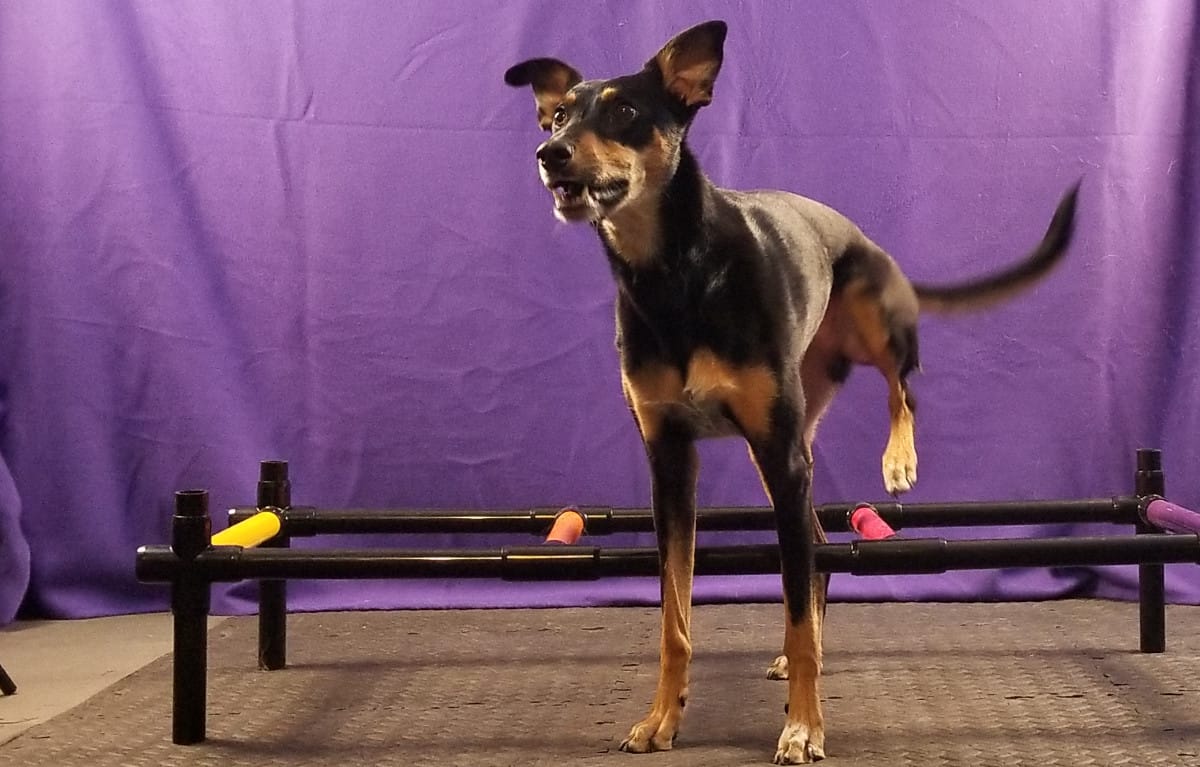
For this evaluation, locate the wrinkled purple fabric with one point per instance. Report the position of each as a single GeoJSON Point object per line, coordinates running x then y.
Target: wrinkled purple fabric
{"type": "Point", "coordinates": [314, 231]}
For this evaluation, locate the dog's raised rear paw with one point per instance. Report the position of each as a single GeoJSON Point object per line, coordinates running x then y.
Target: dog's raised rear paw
{"type": "Point", "coordinates": [778, 668]}
{"type": "Point", "coordinates": [797, 745]}
{"type": "Point", "coordinates": [899, 471]}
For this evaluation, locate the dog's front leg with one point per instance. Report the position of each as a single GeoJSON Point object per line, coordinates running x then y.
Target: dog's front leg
{"type": "Point", "coordinates": [786, 471]}
{"type": "Point", "coordinates": [673, 468]}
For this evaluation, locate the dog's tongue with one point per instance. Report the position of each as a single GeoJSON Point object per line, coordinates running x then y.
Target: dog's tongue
{"type": "Point", "coordinates": [567, 192]}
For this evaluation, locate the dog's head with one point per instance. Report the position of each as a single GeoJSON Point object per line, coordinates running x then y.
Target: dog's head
{"type": "Point", "coordinates": [615, 142]}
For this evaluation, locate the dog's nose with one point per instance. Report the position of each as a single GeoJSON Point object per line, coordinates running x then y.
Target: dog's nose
{"type": "Point", "coordinates": [554, 155]}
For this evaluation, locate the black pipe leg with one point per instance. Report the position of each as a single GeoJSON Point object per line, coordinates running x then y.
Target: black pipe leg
{"type": "Point", "coordinates": [272, 625]}
{"type": "Point", "coordinates": [274, 491]}
{"type": "Point", "coordinates": [190, 669]}
{"type": "Point", "coordinates": [191, 534]}
{"type": "Point", "coordinates": [1152, 603]}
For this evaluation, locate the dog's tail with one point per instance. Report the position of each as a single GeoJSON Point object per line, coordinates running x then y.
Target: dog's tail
{"type": "Point", "coordinates": [986, 291]}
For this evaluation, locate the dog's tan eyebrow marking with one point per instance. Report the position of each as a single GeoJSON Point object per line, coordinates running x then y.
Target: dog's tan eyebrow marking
{"type": "Point", "coordinates": [609, 93]}
{"type": "Point", "coordinates": [569, 99]}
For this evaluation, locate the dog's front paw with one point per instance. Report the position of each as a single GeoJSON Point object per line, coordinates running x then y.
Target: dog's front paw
{"type": "Point", "coordinates": [650, 734]}
{"type": "Point", "coordinates": [778, 668]}
{"type": "Point", "coordinates": [899, 470]}
{"type": "Point", "coordinates": [798, 744]}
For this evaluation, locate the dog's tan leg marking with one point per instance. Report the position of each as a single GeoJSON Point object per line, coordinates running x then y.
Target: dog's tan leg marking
{"type": "Point", "coordinates": [748, 391]}
{"type": "Point", "coordinates": [900, 455]}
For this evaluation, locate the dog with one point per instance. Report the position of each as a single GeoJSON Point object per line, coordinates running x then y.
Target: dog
{"type": "Point", "coordinates": [737, 314]}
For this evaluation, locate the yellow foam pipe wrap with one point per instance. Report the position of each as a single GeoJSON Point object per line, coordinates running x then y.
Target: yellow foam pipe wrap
{"type": "Point", "coordinates": [248, 533]}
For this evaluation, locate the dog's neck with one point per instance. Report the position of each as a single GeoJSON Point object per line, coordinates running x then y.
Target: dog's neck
{"type": "Point", "coordinates": [646, 234]}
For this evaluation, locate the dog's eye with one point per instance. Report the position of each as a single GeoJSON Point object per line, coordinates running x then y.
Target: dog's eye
{"type": "Point", "coordinates": [560, 117]}
{"type": "Point", "coordinates": [624, 115]}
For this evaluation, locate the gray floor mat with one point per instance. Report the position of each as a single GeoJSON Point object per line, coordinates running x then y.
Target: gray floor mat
{"type": "Point", "coordinates": [1055, 683]}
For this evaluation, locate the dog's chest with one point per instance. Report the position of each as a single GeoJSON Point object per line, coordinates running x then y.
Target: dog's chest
{"type": "Point", "coordinates": [692, 349]}
{"type": "Point", "coordinates": [712, 396]}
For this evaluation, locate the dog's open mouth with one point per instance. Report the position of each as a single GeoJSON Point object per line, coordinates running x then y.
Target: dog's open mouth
{"type": "Point", "coordinates": [573, 197]}
{"type": "Point", "coordinates": [568, 194]}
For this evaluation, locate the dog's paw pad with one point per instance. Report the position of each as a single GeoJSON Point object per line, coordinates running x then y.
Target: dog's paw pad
{"type": "Point", "coordinates": [778, 668]}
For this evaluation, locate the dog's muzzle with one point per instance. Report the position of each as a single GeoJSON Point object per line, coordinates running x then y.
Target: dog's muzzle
{"type": "Point", "coordinates": [576, 197]}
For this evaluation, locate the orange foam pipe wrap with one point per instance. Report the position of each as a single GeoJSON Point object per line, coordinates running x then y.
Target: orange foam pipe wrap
{"type": "Point", "coordinates": [567, 527]}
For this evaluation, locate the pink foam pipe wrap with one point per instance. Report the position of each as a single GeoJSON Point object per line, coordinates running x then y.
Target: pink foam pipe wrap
{"type": "Point", "coordinates": [1171, 517]}
{"type": "Point", "coordinates": [867, 523]}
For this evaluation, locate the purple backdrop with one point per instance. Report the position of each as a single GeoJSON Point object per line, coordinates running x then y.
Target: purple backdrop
{"type": "Point", "coordinates": [313, 231]}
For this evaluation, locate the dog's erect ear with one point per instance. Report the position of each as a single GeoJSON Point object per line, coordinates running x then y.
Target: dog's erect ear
{"type": "Point", "coordinates": [690, 61]}
{"type": "Point", "coordinates": [550, 78]}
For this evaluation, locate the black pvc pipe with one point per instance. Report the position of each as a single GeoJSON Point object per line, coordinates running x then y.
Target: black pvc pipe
{"type": "Point", "coordinates": [1152, 600]}
{"type": "Point", "coordinates": [895, 556]}
{"type": "Point", "coordinates": [190, 602]}
{"type": "Point", "coordinates": [302, 521]}
{"type": "Point", "coordinates": [274, 491]}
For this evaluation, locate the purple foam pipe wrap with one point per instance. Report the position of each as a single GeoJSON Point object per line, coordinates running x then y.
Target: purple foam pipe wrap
{"type": "Point", "coordinates": [1172, 517]}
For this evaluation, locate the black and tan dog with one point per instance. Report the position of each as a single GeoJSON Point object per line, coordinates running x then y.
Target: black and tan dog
{"type": "Point", "coordinates": [738, 313]}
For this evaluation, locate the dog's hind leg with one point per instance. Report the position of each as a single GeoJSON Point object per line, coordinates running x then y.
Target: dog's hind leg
{"type": "Point", "coordinates": [888, 337]}
{"type": "Point", "coordinates": [821, 374]}
{"type": "Point", "coordinates": [778, 669]}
